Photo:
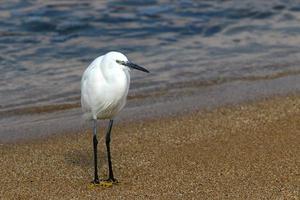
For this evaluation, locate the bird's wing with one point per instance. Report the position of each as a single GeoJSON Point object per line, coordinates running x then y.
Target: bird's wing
{"type": "Point", "coordinates": [87, 73]}
{"type": "Point", "coordinates": [89, 86]}
{"type": "Point", "coordinates": [86, 81]}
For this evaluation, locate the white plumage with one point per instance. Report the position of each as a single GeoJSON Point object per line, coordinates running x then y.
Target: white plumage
{"type": "Point", "coordinates": [104, 89]}
{"type": "Point", "coordinates": [104, 86]}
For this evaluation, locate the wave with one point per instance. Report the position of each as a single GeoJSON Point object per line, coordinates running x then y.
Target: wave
{"type": "Point", "coordinates": [166, 90]}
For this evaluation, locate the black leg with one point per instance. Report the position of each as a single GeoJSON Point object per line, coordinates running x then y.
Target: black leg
{"type": "Point", "coordinates": [95, 143]}
{"type": "Point", "coordinates": [107, 141]}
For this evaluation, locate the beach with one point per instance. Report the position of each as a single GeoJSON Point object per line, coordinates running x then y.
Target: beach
{"type": "Point", "coordinates": [248, 150]}
{"type": "Point", "coordinates": [217, 117]}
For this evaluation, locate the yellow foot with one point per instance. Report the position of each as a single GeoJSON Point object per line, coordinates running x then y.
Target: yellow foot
{"type": "Point", "coordinates": [103, 183]}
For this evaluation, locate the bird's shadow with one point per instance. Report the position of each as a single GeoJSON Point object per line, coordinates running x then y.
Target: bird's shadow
{"type": "Point", "coordinates": [83, 159]}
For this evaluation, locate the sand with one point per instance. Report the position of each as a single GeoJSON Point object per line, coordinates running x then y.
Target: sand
{"type": "Point", "coordinates": [247, 151]}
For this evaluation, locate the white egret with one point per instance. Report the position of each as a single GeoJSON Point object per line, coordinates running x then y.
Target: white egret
{"type": "Point", "coordinates": [104, 89]}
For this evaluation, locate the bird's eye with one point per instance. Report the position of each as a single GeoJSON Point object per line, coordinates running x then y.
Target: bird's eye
{"type": "Point", "coordinates": [120, 62]}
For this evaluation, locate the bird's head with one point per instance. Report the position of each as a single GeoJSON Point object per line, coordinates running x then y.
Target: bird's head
{"type": "Point", "coordinates": [122, 60]}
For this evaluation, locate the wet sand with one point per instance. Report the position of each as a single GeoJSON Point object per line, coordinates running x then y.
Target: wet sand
{"type": "Point", "coordinates": [247, 151]}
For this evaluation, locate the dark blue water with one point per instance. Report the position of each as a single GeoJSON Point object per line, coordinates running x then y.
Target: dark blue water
{"type": "Point", "coordinates": [46, 45]}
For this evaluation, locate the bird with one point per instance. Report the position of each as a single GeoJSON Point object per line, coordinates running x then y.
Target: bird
{"type": "Point", "coordinates": [104, 89]}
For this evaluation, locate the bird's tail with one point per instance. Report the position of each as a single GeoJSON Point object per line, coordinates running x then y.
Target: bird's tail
{"type": "Point", "coordinates": [87, 116]}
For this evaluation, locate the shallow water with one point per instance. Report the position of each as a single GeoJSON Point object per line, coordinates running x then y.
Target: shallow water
{"type": "Point", "coordinates": [46, 45]}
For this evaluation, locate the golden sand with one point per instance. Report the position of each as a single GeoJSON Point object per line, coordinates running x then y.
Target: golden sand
{"type": "Point", "coordinates": [249, 151]}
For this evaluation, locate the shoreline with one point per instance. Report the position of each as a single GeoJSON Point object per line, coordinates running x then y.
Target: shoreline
{"type": "Point", "coordinates": [175, 102]}
{"type": "Point", "coordinates": [245, 151]}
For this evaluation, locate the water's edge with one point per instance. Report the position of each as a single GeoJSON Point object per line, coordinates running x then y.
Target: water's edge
{"type": "Point", "coordinates": [70, 121]}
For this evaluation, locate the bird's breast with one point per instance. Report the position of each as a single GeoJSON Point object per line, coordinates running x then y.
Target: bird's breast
{"type": "Point", "coordinates": [118, 85]}
{"type": "Point", "coordinates": [115, 95]}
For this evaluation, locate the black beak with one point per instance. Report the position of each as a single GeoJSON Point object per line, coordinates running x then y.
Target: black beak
{"type": "Point", "coordinates": [134, 66]}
